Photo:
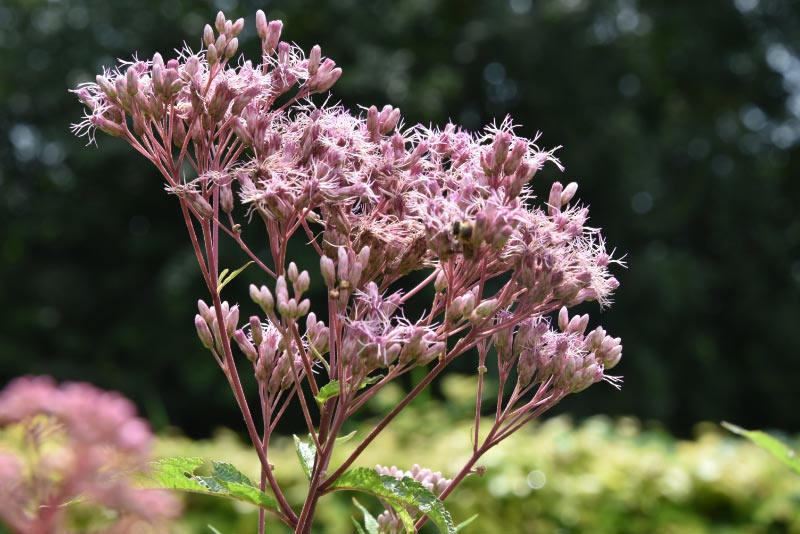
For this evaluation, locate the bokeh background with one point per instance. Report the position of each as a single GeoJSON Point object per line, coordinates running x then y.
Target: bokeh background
{"type": "Point", "coordinates": [680, 121]}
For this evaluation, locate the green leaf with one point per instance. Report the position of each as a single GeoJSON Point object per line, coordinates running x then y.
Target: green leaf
{"type": "Point", "coordinates": [224, 481]}
{"type": "Point", "coordinates": [223, 279]}
{"type": "Point", "coordinates": [401, 512]}
{"type": "Point", "coordinates": [328, 391]}
{"type": "Point", "coordinates": [359, 528]}
{"type": "Point", "coordinates": [466, 522]}
{"type": "Point", "coordinates": [331, 389]}
{"type": "Point", "coordinates": [770, 444]}
{"type": "Point", "coordinates": [407, 492]}
{"type": "Point", "coordinates": [306, 452]}
{"type": "Point", "coordinates": [226, 472]}
{"type": "Point", "coordinates": [348, 437]}
{"type": "Point", "coordinates": [213, 530]}
{"type": "Point", "coordinates": [370, 523]}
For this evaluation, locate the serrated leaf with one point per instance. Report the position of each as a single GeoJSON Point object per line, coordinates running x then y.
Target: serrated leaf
{"type": "Point", "coordinates": [370, 523]}
{"type": "Point", "coordinates": [223, 279]}
{"type": "Point", "coordinates": [359, 528]}
{"type": "Point", "coordinates": [177, 473]}
{"type": "Point", "coordinates": [225, 472]}
{"type": "Point", "coordinates": [306, 453]}
{"type": "Point", "coordinates": [225, 481]}
{"type": "Point", "coordinates": [406, 491]}
{"type": "Point", "coordinates": [466, 522]}
{"type": "Point", "coordinates": [328, 391]}
{"type": "Point", "coordinates": [775, 447]}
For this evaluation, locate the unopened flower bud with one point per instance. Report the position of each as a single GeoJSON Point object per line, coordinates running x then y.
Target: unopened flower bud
{"type": "Point", "coordinates": [201, 205]}
{"type": "Point", "coordinates": [314, 59]}
{"type": "Point", "coordinates": [256, 332]}
{"type": "Point", "coordinates": [208, 35]}
{"type": "Point", "coordinates": [328, 271]}
{"type": "Point", "coordinates": [302, 283]}
{"type": "Point", "coordinates": [232, 320]}
{"type": "Point", "coordinates": [344, 264]}
{"type": "Point", "coordinates": [281, 294]}
{"type": "Point", "coordinates": [568, 193]}
{"type": "Point", "coordinates": [302, 308]}
{"type": "Point", "coordinates": [372, 121]}
{"type": "Point", "coordinates": [178, 132]}
{"type": "Point", "coordinates": [232, 47]}
{"type": "Point", "coordinates": [221, 43]}
{"type": "Point", "coordinates": [226, 197]}
{"type": "Point", "coordinates": [261, 24]}
{"type": "Point", "coordinates": [563, 318]}
{"type": "Point", "coordinates": [500, 150]}
{"type": "Point", "coordinates": [514, 158]}
{"type": "Point", "coordinates": [203, 332]}
{"type": "Point", "coordinates": [554, 202]}
{"type": "Point", "coordinates": [456, 309]}
{"type": "Point", "coordinates": [441, 282]}
{"type": "Point", "coordinates": [485, 309]}
{"type": "Point", "coordinates": [263, 297]}
{"type": "Point", "coordinates": [219, 22]}
{"type": "Point", "coordinates": [205, 311]}
{"type": "Point", "coordinates": [292, 272]}
{"type": "Point", "coordinates": [273, 36]}
{"type": "Point", "coordinates": [106, 86]}
{"type": "Point", "coordinates": [237, 27]}
{"type": "Point", "coordinates": [211, 55]}
{"type": "Point", "coordinates": [389, 120]}
{"type": "Point", "coordinates": [132, 80]}
{"type": "Point", "coordinates": [245, 345]}
{"type": "Point", "coordinates": [363, 256]}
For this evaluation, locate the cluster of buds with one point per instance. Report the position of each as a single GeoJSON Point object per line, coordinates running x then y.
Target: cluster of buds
{"type": "Point", "coordinates": [207, 325]}
{"type": "Point", "coordinates": [569, 359]}
{"type": "Point", "coordinates": [343, 276]}
{"type": "Point", "coordinates": [225, 43]}
{"type": "Point", "coordinates": [82, 447]}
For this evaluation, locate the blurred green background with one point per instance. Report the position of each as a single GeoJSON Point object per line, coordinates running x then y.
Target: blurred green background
{"type": "Point", "coordinates": [679, 120]}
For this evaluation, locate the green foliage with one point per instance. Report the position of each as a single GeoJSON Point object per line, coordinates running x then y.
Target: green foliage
{"type": "Point", "coordinates": [224, 481]}
{"type": "Point", "coordinates": [370, 523]}
{"type": "Point", "coordinates": [604, 476]}
{"type": "Point", "coordinates": [306, 453]}
{"type": "Point", "coordinates": [772, 445]}
{"type": "Point", "coordinates": [225, 278]}
{"type": "Point", "coordinates": [404, 492]}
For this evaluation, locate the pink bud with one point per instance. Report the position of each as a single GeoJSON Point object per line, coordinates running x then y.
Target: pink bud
{"type": "Point", "coordinates": [219, 23]}
{"type": "Point", "coordinates": [256, 331]}
{"type": "Point", "coordinates": [568, 193]}
{"type": "Point", "coordinates": [203, 332]}
{"type": "Point", "coordinates": [554, 202]}
{"type": "Point", "coordinates": [328, 271]}
{"type": "Point", "coordinates": [245, 345]}
{"type": "Point", "coordinates": [237, 27]}
{"type": "Point", "coordinates": [261, 24]}
{"type": "Point", "coordinates": [314, 59]}
{"type": "Point", "coordinates": [233, 46]}
{"type": "Point", "coordinates": [563, 318]}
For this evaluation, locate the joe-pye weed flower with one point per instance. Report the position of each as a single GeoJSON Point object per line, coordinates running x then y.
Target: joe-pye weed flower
{"type": "Point", "coordinates": [239, 143]}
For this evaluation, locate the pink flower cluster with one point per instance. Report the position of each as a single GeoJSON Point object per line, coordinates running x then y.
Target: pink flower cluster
{"type": "Point", "coordinates": [79, 445]}
{"type": "Point", "coordinates": [376, 200]}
